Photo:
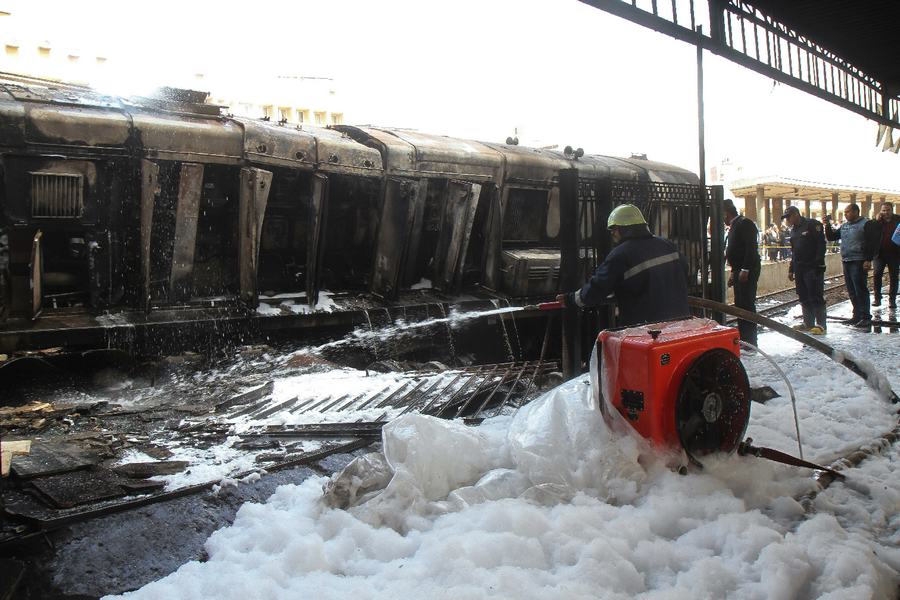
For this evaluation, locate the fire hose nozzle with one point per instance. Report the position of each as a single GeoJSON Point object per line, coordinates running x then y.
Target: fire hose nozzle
{"type": "Point", "coordinates": [549, 305]}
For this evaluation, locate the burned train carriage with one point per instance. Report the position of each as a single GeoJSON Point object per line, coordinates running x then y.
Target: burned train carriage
{"type": "Point", "coordinates": [127, 215]}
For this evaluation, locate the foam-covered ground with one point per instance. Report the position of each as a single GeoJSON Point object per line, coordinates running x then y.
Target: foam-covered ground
{"type": "Point", "coordinates": [547, 503]}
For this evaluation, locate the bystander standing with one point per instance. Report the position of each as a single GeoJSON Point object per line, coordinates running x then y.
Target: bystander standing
{"type": "Point", "coordinates": [742, 254]}
{"type": "Point", "coordinates": [807, 269]}
{"type": "Point", "coordinates": [886, 255]}
{"type": "Point", "coordinates": [858, 246]}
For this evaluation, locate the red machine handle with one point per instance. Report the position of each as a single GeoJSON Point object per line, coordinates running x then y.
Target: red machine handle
{"type": "Point", "coordinates": [550, 305]}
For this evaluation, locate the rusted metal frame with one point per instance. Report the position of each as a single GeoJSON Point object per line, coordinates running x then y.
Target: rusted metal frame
{"type": "Point", "coordinates": [324, 400]}
{"type": "Point", "coordinates": [481, 385]}
{"type": "Point", "coordinates": [330, 406]}
{"type": "Point", "coordinates": [315, 240]}
{"type": "Point", "coordinates": [388, 399]}
{"type": "Point", "coordinates": [254, 195]}
{"type": "Point", "coordinates": [457, 394]}
{"type": "Point", "coordinates": [345, 406]}
{"type": "Point", "coordinates": [274, 409]}
{"type": "Point", "coordinates": [149, 191]}
{"type": "Point", "coordinates": [407, 399]}
{"type": "Point", "coordinates": [427, 407]}
{"type": "Point", "coordinates": [494, 391]}
{"type": "Point", "coordinates": [187, 212]}
{"type": "Point", "coordinates": [411, 402]}
{"type": "Point", "coordinates": [361, 429]}
{"type": "Point", "coordinates": [52, 524]}
{"type": "Point", "coordinates": [302, 406]}
{"type": "Point", "coordinates": [511, 388]}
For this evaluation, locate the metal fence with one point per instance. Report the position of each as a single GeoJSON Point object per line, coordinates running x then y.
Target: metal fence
{"type": "Point", "coordinates": [683, 213]}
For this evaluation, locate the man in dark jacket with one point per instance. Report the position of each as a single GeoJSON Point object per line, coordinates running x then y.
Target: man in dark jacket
{"type": "Point", "coordinates": [647, 274]}
{"type": "Point", "coordinates": [807, 269]}
{"type": "Point", "coordinates": [858, 246]}
{"type": "Point", "coordinates": [887, 255]}
{"type": "Point", "coordinates": [742, 254]}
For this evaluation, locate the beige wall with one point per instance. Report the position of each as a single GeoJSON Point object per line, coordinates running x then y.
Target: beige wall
{"type": "Point", "coordinates": [773, 276]}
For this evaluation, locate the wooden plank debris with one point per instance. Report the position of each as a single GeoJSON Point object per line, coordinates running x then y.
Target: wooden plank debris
{"type": "Point", "coordinates": [145, 470]}
{"type": "Point", "coordinates": [8, 449]}
{"type": "Point", "coordinates": [51, 458]}
{"type": "Point", "coordinates": [77, 487]}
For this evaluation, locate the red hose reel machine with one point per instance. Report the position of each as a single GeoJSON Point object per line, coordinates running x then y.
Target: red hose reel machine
{"type": "Point", "coordinates": [679, 384]}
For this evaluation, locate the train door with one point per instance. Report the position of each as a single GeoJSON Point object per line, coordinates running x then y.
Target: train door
{"type": "Point", "coordinates": [402, 202]}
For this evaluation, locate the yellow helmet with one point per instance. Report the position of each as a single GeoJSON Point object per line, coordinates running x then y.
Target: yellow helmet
{"type": "Point", "coordinates": [625, 214]}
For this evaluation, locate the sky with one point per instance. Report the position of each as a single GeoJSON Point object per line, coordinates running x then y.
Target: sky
{"type": "Point", "coordinates": [547, 502]}
{"type": "Point", "coordinates": [559, 72]}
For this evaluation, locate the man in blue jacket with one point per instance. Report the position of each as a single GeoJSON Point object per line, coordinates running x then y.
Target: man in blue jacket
{"type": "Point", "coordinates": [858, 246]}
{"type": "Point", "coordinates": [807, 269]}
{"type": "Point", "coordinates": [647, 274]}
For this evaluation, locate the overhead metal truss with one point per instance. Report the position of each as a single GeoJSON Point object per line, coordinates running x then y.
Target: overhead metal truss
{"type": "Point", "coordinates": [746, 35]}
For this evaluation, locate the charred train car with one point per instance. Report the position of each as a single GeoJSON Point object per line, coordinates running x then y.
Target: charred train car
{"type": "Point", "coordinates": [133, 224]}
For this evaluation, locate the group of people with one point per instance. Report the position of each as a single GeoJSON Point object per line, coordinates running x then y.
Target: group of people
{"type": "Point", "coordinates": [647, 274]}
{"type": "Point", "coordinates": [775, 241]}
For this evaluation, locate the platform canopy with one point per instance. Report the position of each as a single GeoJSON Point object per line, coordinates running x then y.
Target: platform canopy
{"type": "Point", "coordinates": [843, 51]}
{"type": "Point", "coordinates": [765, 198]}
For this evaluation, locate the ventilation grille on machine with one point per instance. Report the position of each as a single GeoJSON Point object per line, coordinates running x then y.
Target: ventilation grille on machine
{"type": "Point", "coordinates": [56, 195]}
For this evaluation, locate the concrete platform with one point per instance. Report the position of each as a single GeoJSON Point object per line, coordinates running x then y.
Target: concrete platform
{"type": "Point", "coordinates": [774, 275]}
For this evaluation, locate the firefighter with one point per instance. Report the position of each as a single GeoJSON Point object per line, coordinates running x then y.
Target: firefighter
{"type": "Point", "coordinates": [647, 274]}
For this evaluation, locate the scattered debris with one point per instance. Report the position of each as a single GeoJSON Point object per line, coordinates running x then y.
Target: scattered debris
{"type": "Point", "coordinates": [146, 470]}
{"type": "Point", "coordinates": [10, 448]}
{"type": "Point", "coordinates": [763, 394]}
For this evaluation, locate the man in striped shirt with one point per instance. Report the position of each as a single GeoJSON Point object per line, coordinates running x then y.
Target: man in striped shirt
{"type": "Point", "coordinates": [646, 274]}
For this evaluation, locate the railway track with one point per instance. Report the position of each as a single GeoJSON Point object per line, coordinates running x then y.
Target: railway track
{"type": "Point", "coordinates": [778, 303]}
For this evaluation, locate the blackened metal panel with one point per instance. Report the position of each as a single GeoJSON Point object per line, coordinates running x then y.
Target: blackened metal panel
{"type": "Point", "coordinates": [397, 216]}
{"type": "Point", "coordinates": [466, 226]}
{"type": "Point", "coordinates": [454, 224]}
{"type": "Point", "coordinates": [37, 271]}
{"type": "Point", "coordinates": [277, 144]}
{"type": "Point", "coordinates": [5, 278]}
{"type": "Point", "coordinates": [318, 200]}
{"type": "Point", "coordinates": [255, 186]}
{"type": "Point", "coordinates": [190, 185]}
{"type": "Point", "coordinates": [178, 137]}
{"type": "Point", "coordinates": [340, 153]}
{"type": "Point", "coordinates": [149, 190]}
{"type": "Point", "coordinates": [417, 206]}
{"type": "Point", "coordinates": [492, 245]}
{"type": "Point", "coordinates": [75, 126]}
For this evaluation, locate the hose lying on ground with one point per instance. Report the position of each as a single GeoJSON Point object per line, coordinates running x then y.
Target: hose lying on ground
{"type": "Point", "coordinates": [874, 379]}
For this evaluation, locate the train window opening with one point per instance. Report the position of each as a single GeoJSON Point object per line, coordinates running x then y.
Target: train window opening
{"type": "Point", "coordinates": [525, 217]}
{"type": "Point", "coordinates": [350, 228]}
{"type": "Point", "coordinates": [285, 235]}
{"type": "Point", "coordinates": [476, 253]}
{"type": "Point", "coordinates": [215, 271]}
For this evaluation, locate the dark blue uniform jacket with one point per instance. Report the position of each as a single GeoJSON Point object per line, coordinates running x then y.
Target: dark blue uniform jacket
{"type": "Point", "coordinates": [807, 246]}
{"type": "Point", "coordinates": [648, 276]}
